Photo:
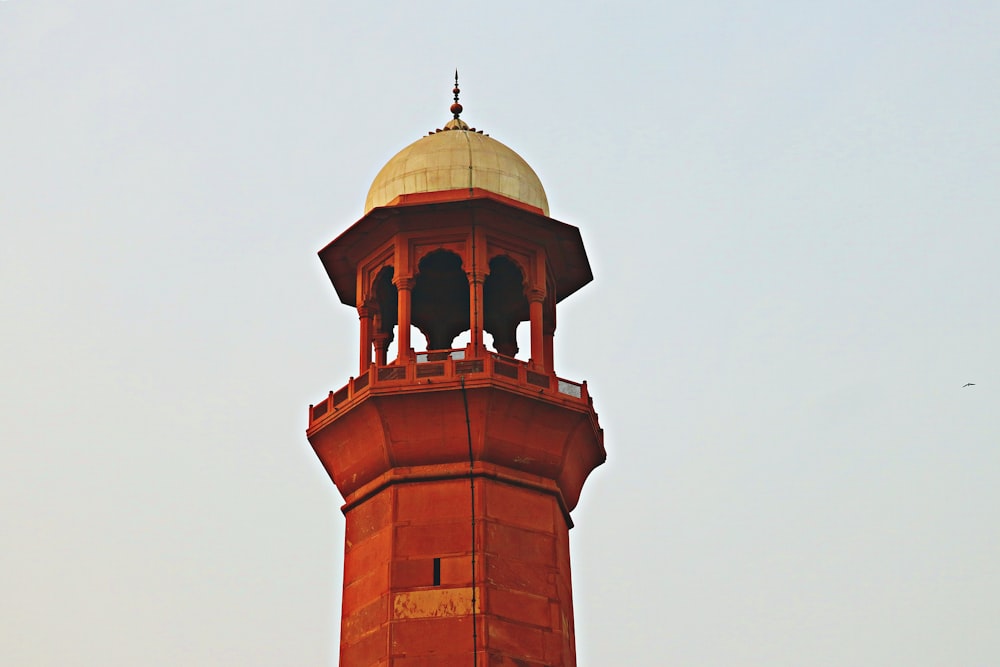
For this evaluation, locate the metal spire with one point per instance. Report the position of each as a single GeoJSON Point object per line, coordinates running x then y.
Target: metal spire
{"type": "Point", "coordinates": [456, 108]}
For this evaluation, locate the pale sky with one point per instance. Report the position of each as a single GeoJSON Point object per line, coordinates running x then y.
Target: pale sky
{"type": "Point", "coordinates": [791, 210]}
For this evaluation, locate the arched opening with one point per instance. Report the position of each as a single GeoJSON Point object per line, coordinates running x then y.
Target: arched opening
{"type": "Point", "coordinates": [440, 301]}
{"type": "Point", "coordinates": [504, 304]}
{"type": "Point", "coordinates": [386, 300]}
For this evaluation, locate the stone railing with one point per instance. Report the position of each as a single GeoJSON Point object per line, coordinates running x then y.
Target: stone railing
{"type": "Point", "coordinates": [450, 367]}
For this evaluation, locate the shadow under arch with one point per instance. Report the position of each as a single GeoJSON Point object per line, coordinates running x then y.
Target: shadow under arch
{"type": "Point", "coordinates": [385, 298]}
{"type": "Point", "coordinates": [504, 304]}
{"type": "Point", "coordinates": [440, 301]}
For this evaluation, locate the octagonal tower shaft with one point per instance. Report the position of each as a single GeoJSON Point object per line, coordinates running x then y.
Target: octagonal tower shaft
{"type": "Point", "coordinates": [458, 467]}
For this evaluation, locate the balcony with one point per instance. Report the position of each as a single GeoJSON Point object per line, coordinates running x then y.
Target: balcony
{"type": "Point", "coordinates": [439, 370]}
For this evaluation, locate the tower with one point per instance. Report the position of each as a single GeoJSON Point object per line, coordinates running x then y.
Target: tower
{"type": "Point", "coordinates": [458, 466]}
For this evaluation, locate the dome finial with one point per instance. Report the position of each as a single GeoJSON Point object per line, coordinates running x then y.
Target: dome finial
{"type": "Point", "coordinates": [456, 108]}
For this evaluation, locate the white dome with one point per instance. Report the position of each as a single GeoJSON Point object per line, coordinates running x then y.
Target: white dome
{"type": "Point", "coordinates": [457, 158]}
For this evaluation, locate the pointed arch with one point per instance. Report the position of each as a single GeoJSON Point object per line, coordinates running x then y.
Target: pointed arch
{"type": "Point", "coordinates": [504, 303]}
{"type": "Point", "coordinates": [441, 298]}
{"type": "Point", "coordinates": [384, 299]}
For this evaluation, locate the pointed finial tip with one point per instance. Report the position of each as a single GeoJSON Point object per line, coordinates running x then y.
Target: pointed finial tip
{"type": "Point", "coordinates": [456, 108]}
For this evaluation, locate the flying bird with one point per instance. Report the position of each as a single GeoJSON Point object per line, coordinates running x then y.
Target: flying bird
{"type": "Point", "coordinates": [968, 384]}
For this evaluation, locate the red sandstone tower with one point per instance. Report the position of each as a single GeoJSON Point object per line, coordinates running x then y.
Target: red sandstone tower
{"type": "Point", "coordinates": [458, 467]}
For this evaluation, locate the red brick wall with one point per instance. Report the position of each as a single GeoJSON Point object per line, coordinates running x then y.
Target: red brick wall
{"type": "Point", "coordinates": [394, 614]}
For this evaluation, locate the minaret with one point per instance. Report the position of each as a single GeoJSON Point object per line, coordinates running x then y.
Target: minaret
{"type": "Point", "coordinates": [459, 467]}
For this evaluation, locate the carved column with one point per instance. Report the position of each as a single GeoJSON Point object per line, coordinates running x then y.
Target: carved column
{"type": "Point", "coordinates": [382, 341]}
{"type": "Point", "coordinates": [404, 287]}
{"type": "Point", "coordinates": [365, 315]}
{"type": "Point", "coordinates": [536, 300]}
{"type": "Point", "coordinates": [548, 334]}
{"type": "Point", "coordinates": [475, 313]}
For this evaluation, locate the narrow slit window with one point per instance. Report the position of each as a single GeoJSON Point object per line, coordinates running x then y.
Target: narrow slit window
{"type": "Point", "coordinates": [437, 571]}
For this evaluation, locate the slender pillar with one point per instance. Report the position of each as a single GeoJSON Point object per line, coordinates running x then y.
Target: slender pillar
{"type": "Point", "coordinates": [549, 353]}
{"type": "Point", "coordinates": [404, 287]}
{"type": "Point", "coordinates": [475, 313]}
{"type": "Point", "coordinates": [548, 334]}
{"type": "Point", "coordinates": [382, 341]}
{"type": "Point", "coordinates": [536, 300]}
{"type": "Point", "coordinates": [365, 315]}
